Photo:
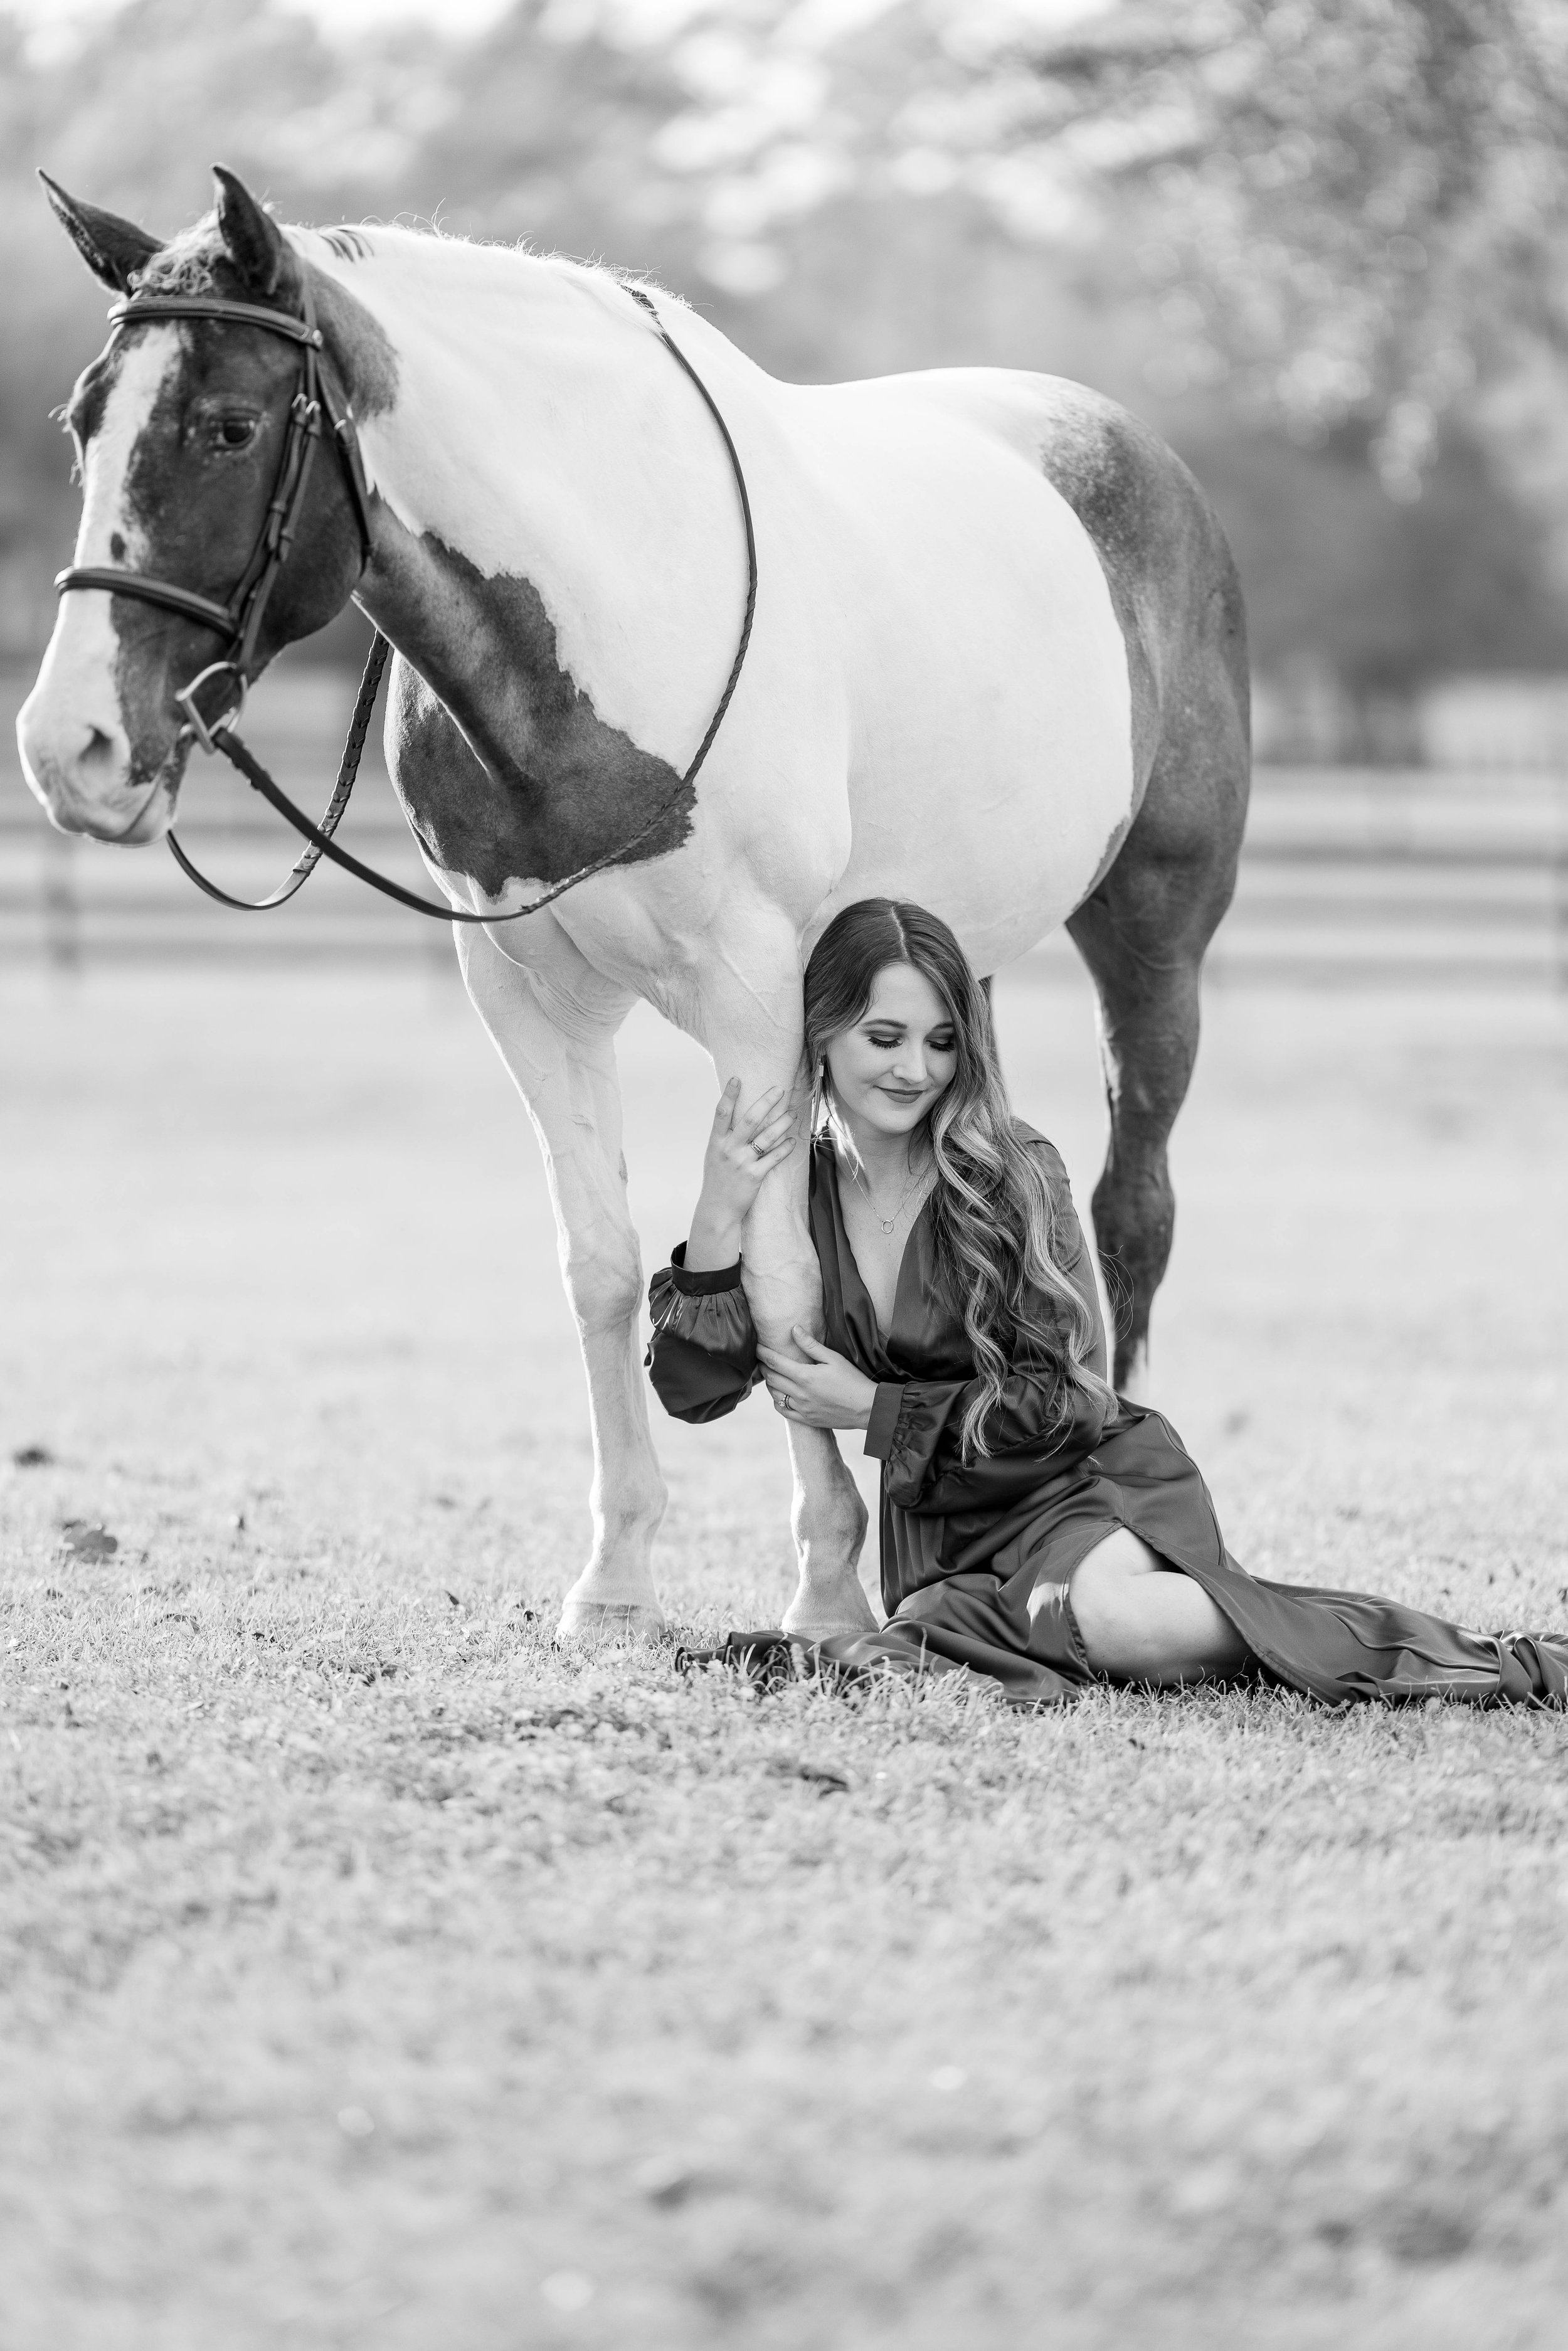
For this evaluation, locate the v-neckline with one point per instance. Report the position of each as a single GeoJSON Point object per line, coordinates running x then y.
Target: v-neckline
{"type": "Point", "coordinates": [884, 1338]}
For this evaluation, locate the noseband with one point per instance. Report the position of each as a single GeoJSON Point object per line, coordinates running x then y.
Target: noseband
{"type": "Point", "coordinates": [239, 620]}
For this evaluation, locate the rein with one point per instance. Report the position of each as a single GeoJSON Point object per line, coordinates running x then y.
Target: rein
{"type": "Point", "coordinates": [239, 620]}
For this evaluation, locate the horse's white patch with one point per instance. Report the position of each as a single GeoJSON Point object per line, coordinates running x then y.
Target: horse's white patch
{"type": "Point", "coordinates": [991, 702]}
{"type": "Point", "coordinates": [75, 752]}
{"type": "Point", "coordinates": [542, 431]}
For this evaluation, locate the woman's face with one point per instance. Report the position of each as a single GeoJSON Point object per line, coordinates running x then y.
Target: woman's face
{"type": "Point", "coordinates": [889, 1068]}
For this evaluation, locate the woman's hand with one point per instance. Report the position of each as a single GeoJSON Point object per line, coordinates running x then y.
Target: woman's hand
{"type": "Point", "coordinates": [824, 1392]}
{"type": "Point", "coordinates": [743, 1148]}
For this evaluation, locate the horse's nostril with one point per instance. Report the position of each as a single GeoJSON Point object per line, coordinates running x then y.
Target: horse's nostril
{"type": "Point", "coordinates": [100, 751]}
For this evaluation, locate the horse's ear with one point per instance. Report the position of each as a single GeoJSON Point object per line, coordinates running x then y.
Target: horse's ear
{"type": "Point", "coordinates": [253, 240]}
{"type": "Point", "coordinates": [112, 248]}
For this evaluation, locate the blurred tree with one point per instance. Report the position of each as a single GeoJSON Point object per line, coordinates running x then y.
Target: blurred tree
{"type": "Point", "coordinates": [1334, 207]}
{"type": "Point", "coordinates": [1384, 593]}
{"type": "Point", "coordinates": [1346, 208]}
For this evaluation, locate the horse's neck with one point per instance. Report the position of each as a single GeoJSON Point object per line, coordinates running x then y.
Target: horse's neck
{"type": "Point", "coordinates": [541, 432]}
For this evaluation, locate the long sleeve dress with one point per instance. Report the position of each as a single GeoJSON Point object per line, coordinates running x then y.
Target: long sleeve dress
{"type": "Point", "coordinates": [968, 1546]}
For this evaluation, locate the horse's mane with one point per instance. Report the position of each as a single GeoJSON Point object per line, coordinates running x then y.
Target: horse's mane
{"type": "Point", "coordinates": [187, 264]}
{"type": "Point", "coordinates": [184, 266]}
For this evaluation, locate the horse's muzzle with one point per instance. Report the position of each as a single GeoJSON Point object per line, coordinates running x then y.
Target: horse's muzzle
{"type": "Point", "coordinates": [81, 775]}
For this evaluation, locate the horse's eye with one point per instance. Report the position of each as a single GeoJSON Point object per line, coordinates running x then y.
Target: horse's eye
{"type": "Point", "coordinates": [235, 432]}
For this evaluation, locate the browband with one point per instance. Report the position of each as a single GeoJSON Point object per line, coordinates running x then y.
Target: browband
{"type": "Point", "coordinates": [208, 306]}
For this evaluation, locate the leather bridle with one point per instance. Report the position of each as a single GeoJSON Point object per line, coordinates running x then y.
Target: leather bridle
{"type": "Point", "coordinates": [239, 620]}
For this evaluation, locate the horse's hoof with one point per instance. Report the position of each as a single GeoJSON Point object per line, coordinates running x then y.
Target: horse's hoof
{"type": "Point", "coordinates": [603, 1622]}
{"type": "Point", "coordinates": [830, 1617]}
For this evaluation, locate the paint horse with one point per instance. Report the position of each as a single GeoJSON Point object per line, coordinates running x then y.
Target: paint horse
{"type": "Point", "coordinates": [998, 666]}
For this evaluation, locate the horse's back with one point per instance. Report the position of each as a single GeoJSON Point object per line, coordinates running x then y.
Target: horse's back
{"type": "Point", "coordinates": [1150, 522]}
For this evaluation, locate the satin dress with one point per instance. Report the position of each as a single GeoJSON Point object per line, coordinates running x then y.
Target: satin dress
{"type": "Point", "coordinates": [978, 1556]}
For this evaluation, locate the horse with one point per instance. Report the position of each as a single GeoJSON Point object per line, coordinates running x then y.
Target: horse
{"type": "Point", "coordinates": [997, 666]}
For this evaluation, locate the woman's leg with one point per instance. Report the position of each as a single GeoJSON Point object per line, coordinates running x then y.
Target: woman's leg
{"type": "Point", "coordinates": [1143, 1622]}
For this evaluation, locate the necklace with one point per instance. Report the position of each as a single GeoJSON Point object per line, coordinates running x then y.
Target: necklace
{"type": "Point", "coordinates": [889, 1224]}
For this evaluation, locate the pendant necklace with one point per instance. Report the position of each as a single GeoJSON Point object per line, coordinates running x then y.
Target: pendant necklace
{"type": "Point", "coordinates": [888, 1223]}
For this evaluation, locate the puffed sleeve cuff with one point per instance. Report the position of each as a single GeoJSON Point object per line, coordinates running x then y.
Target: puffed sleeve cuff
{"type": "Point", "coordinates": [881, 1427]}
{"type": "Point", "coordinates": [708, 1310]}
{"type": "Point", "coordinates": [701, 1285]}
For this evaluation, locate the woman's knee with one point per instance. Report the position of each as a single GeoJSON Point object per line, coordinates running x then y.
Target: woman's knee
{"type": "Point", "coordinates": [1104, 1590]}
{"type": "Point", "coordinates": [1140, 1620]}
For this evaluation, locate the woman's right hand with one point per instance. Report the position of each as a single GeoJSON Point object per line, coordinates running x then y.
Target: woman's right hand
{"type": "Point", "coordinates": [743, 1148]}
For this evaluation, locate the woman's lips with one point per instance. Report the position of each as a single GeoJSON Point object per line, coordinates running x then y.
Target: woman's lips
{"type": "Point", "coordinates": [902, 1093]}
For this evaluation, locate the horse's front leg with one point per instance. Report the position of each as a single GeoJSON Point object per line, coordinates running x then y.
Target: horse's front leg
{"type": "Point", "coordinates": [556, 1035]}
{"type": "Point", "coordinates": [827, 1516]}
{"type": "Point", "coordinates": [754, 1033]}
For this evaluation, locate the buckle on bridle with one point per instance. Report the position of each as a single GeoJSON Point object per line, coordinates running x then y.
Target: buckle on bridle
{"type": "Point", "coordinates": [204, 728]}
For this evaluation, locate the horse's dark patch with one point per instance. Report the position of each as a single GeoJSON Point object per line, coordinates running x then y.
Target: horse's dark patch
{"type": "Point", "coordinates": [158, 651]}
{"type": "Point", "coordinates": [200, 510]}
{"type": "Point", "coordinates": [1168, 875]}
{"type": "Point", "coordinates": [511, 774]}
{"type": "Point", "coordinates": [357, 344]}
{"type": "Point", "coordinates": [1159, 546]}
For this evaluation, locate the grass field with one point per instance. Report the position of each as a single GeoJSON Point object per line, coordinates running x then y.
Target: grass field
{"type": "Point", "coordinates": [376, 1975]}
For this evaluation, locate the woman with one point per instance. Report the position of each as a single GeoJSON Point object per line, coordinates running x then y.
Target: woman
{"type": "Point", "coordinates": [1035, 1527]}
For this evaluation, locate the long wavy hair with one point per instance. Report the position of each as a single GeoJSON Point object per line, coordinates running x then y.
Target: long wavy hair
{"type": "Point", "coordinates": [993, 1222]}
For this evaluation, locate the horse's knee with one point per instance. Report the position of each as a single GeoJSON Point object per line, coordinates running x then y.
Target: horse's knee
{"type": "Point", "coordinates": [604, 1284]}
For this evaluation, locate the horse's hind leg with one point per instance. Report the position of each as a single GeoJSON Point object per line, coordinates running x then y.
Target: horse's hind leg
{"type": "Point", "coordinates": [1142, 932]}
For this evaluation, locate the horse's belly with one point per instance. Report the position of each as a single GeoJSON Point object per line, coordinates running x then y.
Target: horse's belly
{"type": "Point", "coordinates": [991, 752]}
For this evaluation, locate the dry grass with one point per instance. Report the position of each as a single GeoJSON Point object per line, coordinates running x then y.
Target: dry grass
{"type": "Point", "coordinates": [378, 1975]}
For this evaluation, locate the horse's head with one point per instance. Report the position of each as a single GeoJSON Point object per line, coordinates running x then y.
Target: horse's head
{"type": "Point", "coordinates": [182, 428]}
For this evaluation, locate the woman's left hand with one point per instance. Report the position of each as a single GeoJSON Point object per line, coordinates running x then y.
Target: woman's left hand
{"type": "Point", "coordinates": [824, 1392]}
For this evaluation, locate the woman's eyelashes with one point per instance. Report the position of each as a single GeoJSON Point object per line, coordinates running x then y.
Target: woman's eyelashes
{"type": "Point", "coordinates": [933, 1044]}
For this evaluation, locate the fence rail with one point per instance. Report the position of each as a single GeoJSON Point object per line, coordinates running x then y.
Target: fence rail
{"type": "Point", "coordinates": [1348, 874]}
